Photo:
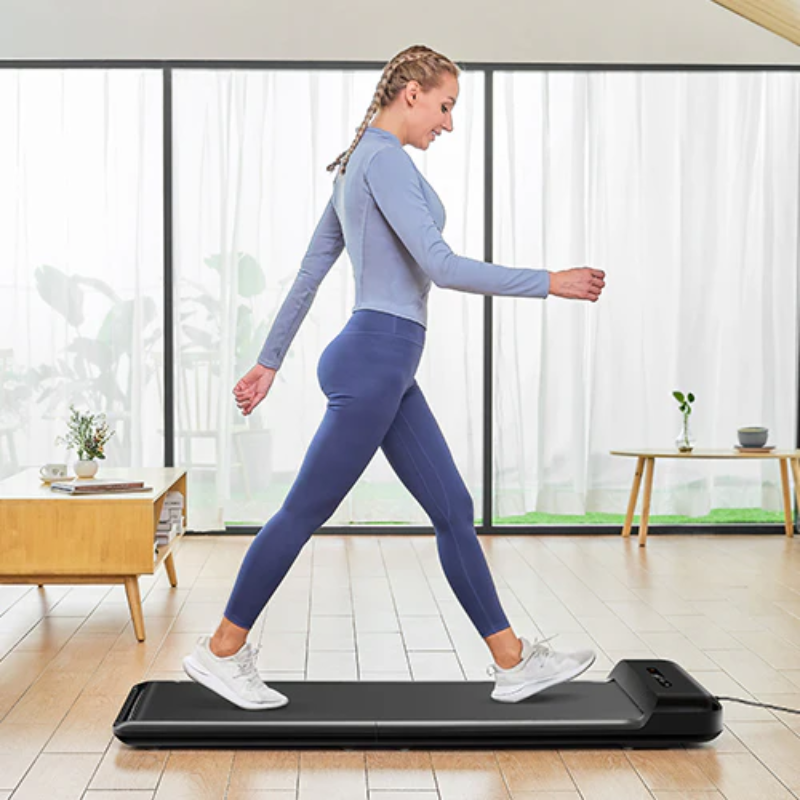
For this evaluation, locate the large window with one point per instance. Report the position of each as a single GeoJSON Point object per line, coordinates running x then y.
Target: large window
{"type": "Point", "coordinates": [81, 281]}
{"type": "Point", "coordinates": [682, 185]}
{"type": "Point", "coordinates": [684, 188]}
{"type": "Point", "coordinates": [251, 149]}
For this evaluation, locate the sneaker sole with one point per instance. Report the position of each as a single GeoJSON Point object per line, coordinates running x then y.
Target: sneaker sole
{"type": "Point", "coordinates": [528, 689]}
{"type": "Point", "coordinates": [202, 676]}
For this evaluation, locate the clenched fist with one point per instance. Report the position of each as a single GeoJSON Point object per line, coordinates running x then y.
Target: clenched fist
{"type": "Point", "coordinates": [580, 283]}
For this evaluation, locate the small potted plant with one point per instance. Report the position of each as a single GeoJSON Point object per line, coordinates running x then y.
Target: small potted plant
{"type": "Point", "coordinates": [87, 434]}
{"type": "Point", "coordinates": [685, 441]}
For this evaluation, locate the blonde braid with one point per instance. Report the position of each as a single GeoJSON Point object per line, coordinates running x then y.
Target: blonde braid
{"type": "Point", "coordinates": [431, 65]}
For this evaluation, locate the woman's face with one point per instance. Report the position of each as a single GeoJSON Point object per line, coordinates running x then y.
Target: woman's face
{"type": "Point", "coordinates": [432, 112]}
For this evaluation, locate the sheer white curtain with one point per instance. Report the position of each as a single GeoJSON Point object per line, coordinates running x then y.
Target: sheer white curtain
{"type": "Point", "coordinates": [683, 187]}
{"type": "Point", "coordinates": [251, 149]}
{"type": "Point", "coordinates": [81, 277]}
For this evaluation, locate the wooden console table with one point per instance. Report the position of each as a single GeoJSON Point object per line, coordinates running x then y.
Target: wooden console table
{"type": "Point", "coordinates": [49, 537]}
{"type": "Point", "coordinates": [646, 463]}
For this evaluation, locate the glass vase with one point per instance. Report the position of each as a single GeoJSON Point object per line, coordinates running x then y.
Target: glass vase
{"type": "Point", "coordinates": [685, 440]}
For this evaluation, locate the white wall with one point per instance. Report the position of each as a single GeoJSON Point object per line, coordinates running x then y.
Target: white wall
{"type": "Point", "coordinates": [532, 31]}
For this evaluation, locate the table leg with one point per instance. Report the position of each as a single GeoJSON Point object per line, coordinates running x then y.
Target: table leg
{"type": "Point", "coordinates": [637, 480]}
{"type": "Point", "coordinates": [796, 470]}
{"type": "Point", "coordinates": [787, 497]}
{"type": "Point", "coordinates": [135, 604]}
{"type": "Point", "coordinates": [649, 466]}
{"type": "Point", "coordinates": [169, 565]}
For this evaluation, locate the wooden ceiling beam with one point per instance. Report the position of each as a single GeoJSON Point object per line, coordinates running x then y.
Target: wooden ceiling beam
{"type": "Point", "coordinates": [779, 16]}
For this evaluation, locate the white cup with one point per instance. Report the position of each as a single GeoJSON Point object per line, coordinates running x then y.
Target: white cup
{"type": "Point", "coordinates": [53, 471]}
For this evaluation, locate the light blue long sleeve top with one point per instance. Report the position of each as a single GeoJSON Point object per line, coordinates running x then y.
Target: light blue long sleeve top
{"type": "Point", "coordinates": [391, 220]}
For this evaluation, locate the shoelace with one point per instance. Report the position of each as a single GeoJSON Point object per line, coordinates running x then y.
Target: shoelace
{"type": "Point", "coordinates": [539, 647]}
{"type": "Point", "coordinates": [247, 665]}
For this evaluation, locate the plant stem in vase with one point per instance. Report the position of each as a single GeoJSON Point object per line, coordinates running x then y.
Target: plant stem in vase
{"type": "Point", "coordinates": [685, 440]}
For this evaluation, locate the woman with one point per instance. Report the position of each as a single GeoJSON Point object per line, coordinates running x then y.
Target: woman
{"type": "Point", "coordinates": [390, 219]}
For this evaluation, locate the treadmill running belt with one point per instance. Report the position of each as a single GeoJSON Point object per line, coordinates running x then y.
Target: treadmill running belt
{"type": "Point", "coordinates": [642, 703]}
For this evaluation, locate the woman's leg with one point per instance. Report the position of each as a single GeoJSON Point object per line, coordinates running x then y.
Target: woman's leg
{"type": "Point", "coordinates": [416, 449]}
{"type": "Point", "coordinates": [364, 378]}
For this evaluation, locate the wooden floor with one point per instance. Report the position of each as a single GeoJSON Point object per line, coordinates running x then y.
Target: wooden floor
{"type": "Point", "coordinates": [727, 608]}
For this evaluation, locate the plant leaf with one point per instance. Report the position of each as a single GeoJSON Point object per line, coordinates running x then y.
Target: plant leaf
{"type": "Point", "coordinates": [116, 332]}
{"type": "Point", "coordinates": [251, 277]}
{"type": "Point", "coordinates": [214, 262]}
{"type": "Point", "coordinates": [199, 336]}
{"type": "Point", "coordinates": [94, 351]}
{"type": "Point", "coordinates": [206, 301]}
{"type": "Point", "coordinates": [100, 286]}
{"type": "Point", "coordinates": [60, 292]}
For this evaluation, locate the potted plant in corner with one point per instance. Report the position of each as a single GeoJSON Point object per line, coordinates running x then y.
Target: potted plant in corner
{"type": "Point", "coordinates": [685, 440]}
{"type": "Point", "coordinates": [87, 434]}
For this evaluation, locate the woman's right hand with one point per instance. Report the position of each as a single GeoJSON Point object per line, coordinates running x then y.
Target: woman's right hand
{"type": "Point", "coordinates": [580, 283]}
{"type": "Point", "coordinates": [253, 388]}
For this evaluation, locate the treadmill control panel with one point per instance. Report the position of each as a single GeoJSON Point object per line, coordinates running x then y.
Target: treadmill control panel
{"type": "Point", "coordinates": [659, 677]}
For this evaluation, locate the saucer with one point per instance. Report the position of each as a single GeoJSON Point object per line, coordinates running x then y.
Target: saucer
{"type": "Point", "coordinates": [752, 447]}
{"type": "Point", "coordinates": [48, 481]}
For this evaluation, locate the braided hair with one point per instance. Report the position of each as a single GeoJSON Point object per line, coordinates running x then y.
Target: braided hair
{"type": "Point", "coordinates": [416, 63]}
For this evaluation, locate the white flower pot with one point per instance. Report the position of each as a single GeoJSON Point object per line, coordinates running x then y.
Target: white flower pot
{"type": "Point", "coordinates": [85, 468]}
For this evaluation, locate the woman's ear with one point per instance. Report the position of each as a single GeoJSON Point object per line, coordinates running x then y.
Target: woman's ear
{"type": "Point", "coordinates": [412, 89]}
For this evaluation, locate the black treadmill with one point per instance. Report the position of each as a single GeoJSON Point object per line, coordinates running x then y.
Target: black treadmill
{"type": "Point", "coordinates": [641, 704]}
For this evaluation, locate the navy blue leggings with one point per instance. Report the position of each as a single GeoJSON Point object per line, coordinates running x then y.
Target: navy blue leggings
{"type": "Point", "coordinates": [367, 374]}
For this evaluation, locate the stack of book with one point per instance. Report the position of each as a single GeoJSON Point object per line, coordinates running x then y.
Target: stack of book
{"type": "Point", "coordinates": [171, 520]}
{"type": "Point", "coordinates": [95, 486]}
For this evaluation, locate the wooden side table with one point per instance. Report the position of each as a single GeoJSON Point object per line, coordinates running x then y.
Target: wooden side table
{"type": "Point", "coordinates": [646, 460]}
{"type": "Point", "coordinates": [49, 537]}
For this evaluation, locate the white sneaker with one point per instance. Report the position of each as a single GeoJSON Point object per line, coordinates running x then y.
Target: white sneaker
{"type": "Point", "coordinates": [539, 668]}
{"type": "Point", "coordinates": [233, 677]}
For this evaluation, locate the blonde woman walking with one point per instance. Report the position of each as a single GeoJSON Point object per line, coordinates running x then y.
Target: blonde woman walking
{"type": "Point", "coordinates": [390, 219]}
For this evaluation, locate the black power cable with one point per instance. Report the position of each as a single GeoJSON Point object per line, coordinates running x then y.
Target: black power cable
{"type": "Point", "coordinates": [762, 705]}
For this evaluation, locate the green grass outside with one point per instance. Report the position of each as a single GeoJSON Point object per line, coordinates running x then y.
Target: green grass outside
{"type": "Point", "coordinates": [272, 494]}
{"type": "Point", "coordinates": [717, 516]}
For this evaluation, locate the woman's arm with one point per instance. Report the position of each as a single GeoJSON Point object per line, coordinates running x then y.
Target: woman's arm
{"type": "Point", "coordinates": [395, 185]}
{"type": "Point", "coordinates": [325, 247]}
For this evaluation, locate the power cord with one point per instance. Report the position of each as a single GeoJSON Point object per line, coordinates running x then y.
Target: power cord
{"type": "Point", "coordinates": [761, 705]}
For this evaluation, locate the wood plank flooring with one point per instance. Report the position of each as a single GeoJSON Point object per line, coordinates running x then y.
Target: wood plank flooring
{"type": "Point", "coordinates": [727, 608]}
